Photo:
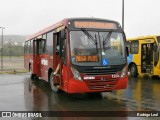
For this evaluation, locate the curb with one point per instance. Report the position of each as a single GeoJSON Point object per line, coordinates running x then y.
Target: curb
{"type": "Point", "coordinates": [13, 71]}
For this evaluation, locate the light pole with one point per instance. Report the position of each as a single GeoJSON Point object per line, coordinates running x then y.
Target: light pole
{"type": "Point", "coordinates": [10, 48]}
{"type": "Point", "coordinates": [123, 14]}
{"type": "Point", "coordinates": [2, 49]}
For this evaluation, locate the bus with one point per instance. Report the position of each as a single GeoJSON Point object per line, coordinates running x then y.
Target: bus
{"type": "Point", "coordinates": [144, 56]}
{"type": "Point", "coordinates": [90, 52]}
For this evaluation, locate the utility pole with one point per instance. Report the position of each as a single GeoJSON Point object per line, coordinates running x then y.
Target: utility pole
{"type": "Point", "coordinates": [123, 15]}
{"type": "Point", "coordinates": [10, 48]}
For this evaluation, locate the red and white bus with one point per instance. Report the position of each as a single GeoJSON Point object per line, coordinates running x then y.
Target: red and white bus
{"type": "Point", "coordinates": [91, 54]}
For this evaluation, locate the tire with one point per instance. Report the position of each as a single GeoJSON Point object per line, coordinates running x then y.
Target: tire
{"type": "Point", "coordinates": [133, 70]}
{"type": "Point", "coordinates": [32, 76]}
{"type": "Point", "coordinates": [54, 86]}
{"type": "Point", "coordinates": [155, 77]}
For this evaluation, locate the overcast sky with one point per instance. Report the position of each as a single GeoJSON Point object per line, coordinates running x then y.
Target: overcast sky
{"type": "Point", "coordinates": [23, 17]}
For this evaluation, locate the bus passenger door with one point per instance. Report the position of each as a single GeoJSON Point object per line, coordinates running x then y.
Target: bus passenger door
{"type": "Point", "coordinates": [36, 58]}
{"type": "Point", "coordinates": [147, 58]}
{"type": "Point", "coordinates": [56, 56]}
{"type": "Point", "coordinates": [156, 59]}
{"type": "Point", "coordinates": [59, 56]}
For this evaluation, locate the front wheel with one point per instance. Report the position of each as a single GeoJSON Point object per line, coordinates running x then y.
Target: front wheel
{"type": "Point", "coordinates": [54, 86]}
{"type": "Point", "coordinates": [133, 70]}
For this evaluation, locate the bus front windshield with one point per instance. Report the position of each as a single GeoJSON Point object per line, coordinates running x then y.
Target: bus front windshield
{"type": "Point", "coordinates": [96, 48]}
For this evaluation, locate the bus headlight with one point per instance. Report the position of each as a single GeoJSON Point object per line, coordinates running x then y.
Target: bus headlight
{"type": "Point", "coordinates": [76, 74]}
{"type": "Point", "coordinates": [124, 72]}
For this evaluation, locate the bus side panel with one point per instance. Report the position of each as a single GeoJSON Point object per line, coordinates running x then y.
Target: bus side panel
{"type": "Point", "coordinates": [46, 63]}
{"type": "Point", "coordinates": [36, 66]}
{"type": "Point", "coordinates": [156, 71]}
{"type": "Point", "coordinates": [64, 78]}
{"type": "Point", "coordinates": [138, 61]}
{"type": "Point", "coordinates": [50, 65]}
{"type": "Point", "coordinates": [28, 59]}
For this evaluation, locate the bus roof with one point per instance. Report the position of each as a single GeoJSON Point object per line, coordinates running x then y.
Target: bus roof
{"type": "Point", "coordinates": [64, 22]}
{"type": "Point", "coordinates": [143, 37]}
{"type": "Point", "coordinates": [60, 23]}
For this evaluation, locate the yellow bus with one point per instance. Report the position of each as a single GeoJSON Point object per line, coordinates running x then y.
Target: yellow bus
{"type": "Point", "coordinates": [144, 56]}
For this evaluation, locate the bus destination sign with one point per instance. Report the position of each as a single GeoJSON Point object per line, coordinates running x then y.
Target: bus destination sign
{"type": "Point", "coordinates": [84, 58]}
{"type": "Point", "coordinates": [96, 25]}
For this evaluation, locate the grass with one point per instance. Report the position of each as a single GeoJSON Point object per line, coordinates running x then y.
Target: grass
{"type": "Point", "coordinates": [13, 65]}
{"type": "Point", "coordinates": [14, 71]}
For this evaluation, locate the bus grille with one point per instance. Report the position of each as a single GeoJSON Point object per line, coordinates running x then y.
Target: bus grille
{"type": "Point", "coordinates": [101, 84]}
{"type": "Point", "coordinates": [100, 71]}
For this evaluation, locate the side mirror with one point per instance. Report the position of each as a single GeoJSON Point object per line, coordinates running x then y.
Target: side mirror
{"type": "Point", "coordinates": [63, 35]}
{"type": "Point", "coordinates": [127, 51]}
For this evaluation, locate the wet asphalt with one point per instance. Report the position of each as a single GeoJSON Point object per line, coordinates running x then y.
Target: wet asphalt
{"type": "Point", "coordinates": [19, 93]}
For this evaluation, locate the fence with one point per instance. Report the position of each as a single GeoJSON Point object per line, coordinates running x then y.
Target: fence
{"type": "Point", "coordinates": [12, 57]}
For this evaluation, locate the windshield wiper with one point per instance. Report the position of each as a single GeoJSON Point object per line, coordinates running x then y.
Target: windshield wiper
{"type": "Point", "coordinates": [91, 37]}
{"type": "Point", "coordinates": [105, 41]}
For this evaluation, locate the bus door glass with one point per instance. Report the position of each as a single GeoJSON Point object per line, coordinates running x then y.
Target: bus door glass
{"type": "Point", "coordinates": [147, 58]}
{"type": "Point", "coordinates": [56, 56]}
{"type": "Point", "coordinates": [156, 55]}
{"type": "Point", "coordinates": [36, 58]}
{"type": "Point", "coordinates": [158, 51]}
{"type": "Point", "coordinates": [43, 59]}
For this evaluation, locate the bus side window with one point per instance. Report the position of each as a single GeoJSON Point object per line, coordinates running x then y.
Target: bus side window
{"type": "Point", "coordinates": [29, 47]}
{"type": "Point", "coordinates": [128, 45]}
{"type": "Point", "coordinates": [25, 47]}
{"type": "Point", "coordinates": [39, 47]}
{"type": "Point", "coordinates": [44, 43]}
{"type": "Point", "coordinates": [134, 47]}
{"type": "Point", "coordinates": [43, 47]}
{"type": "Point", "coordinates": [156, 54]}
{"type": "Point", "coordinates": [58, 43]}
{"type": "Point", "coordinates": [49, 44]}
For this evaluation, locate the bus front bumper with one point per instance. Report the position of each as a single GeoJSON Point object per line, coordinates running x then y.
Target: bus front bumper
{"type": "Point", "coordinates": [76, 86]}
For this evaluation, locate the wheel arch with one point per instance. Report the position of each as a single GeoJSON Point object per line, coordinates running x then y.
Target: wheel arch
{"type": "Point", "coordinates": [129, 69]}
{"type": "Point", "coordinates": [29, 67]}
{"type": "Point", "coordinates": [130, 64]}
{"type": "Point", "coordinates": [50, 70]}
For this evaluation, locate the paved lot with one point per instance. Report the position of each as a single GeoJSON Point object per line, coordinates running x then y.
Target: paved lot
{"type": "Point", "coordinates": [19, 93]}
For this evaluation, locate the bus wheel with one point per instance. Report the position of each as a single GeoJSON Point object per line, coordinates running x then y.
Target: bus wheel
{"type": "Point", "coordinates": [54, 86]}
{"type": "Point", "coordinates": [133, 70]}
{"type": "Point", "coordinates": [32, 76]}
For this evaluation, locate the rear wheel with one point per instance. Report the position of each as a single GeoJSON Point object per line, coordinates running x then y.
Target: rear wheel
{"type": "Point", "coordinates": [133, 70]}
{"type": "Point", "coordinates": [54, 86]}
{"type": "Point", "coordinates": [32, 76]}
